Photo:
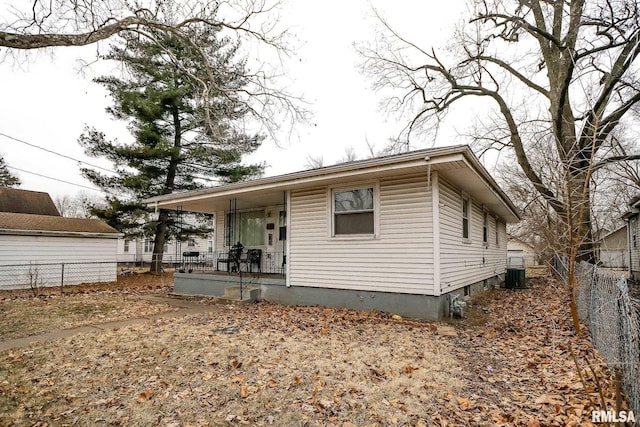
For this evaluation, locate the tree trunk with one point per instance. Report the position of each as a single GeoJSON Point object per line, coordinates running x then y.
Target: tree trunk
{"type": "Point", "coordinates": [159, 242]}
{"type": "Point", "coordinates": [163, 217]}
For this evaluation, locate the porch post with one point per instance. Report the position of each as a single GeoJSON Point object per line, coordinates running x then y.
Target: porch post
{"type": "Point", "coordinates": [178, 239]}
{"type": "Point", "coordinates": [231, 223]}
{"type": "Point", "coordinates": [287, 240]}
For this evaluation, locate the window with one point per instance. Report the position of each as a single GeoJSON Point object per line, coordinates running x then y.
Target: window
{"type": "Point", "coordinates": [148, 245]}
{"type": "Point", "coordinates": [126, 246]}
{"type": "Point", "coordinates": [634, 233]}
{"type": "Point", "coordinates": [210, 246]}
{"type": "Point", "coordinates": [282, 224]}
{"type": "Point", "coordinates": [353, 212]}
{"type": "Point", "coordinates": [485, 228]}
{"type": "Point", "coordinates": [465, 217]}
{"type": "Point", "coordinates": [191, 243]}
{"type": "Point", "coordinates": [247, 228]}
{"type": "Point", "coordinates": [497, 232]}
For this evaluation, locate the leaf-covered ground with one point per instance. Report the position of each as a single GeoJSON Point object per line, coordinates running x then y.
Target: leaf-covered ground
{"type": "Point", "coordinates": [22, 315]}
{"type": "Point", "coordinates": [266, 364]}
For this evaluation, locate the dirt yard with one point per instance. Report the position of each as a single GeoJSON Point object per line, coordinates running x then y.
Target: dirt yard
{"type": "Point", "coordinates": [265, 364]}
{"type": "Point", "coordinates": [23, 315]}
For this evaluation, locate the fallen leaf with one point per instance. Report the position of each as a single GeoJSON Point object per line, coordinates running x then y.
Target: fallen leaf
{"type": "Point", "coordinates": [145, 395]}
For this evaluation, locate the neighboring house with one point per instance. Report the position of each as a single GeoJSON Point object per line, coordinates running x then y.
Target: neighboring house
{"type": "Point", "coordinates": [631, 220]}
{"type": "Point", "coordinates": [612, 249]}
{"type": "Point", "coordinates": [38, 246]}
{"type": "Point", "coordinates": [520, 254]}
{"type": "Point", "coordinates": [396, 233]}
{"type": "Point", "coordinates": [140, 250]}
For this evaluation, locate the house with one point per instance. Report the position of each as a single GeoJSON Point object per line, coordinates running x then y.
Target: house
{"type": "Point", "coordinates": [631, 226]}
{"type": "Point", "coordinates": [139, 251]}
{"type": "Point", "coordinates": [519, 253]}
{"type": "Point", "coordinates": [40, 247]}
{"type": "Point", "coordinates": [397, 233]}
{"type": "Point", "coordinates": [612, 249]}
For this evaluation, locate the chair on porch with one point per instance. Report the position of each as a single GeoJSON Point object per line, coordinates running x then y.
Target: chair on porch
{"type": "Point", "coordinates": [232, 259]}
{"type": "Point", "coordinates": [254, 256]}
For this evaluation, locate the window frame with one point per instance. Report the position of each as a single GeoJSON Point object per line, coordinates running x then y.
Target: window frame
{"type": "Point", "coordinates": [331, 212]}
{"type": "Point", "coordinates": [126, 245]}
{"type": "Point", "coordinates": [497, 223]}
{"type": "Point", "coordinates": [485, 228]}
{"type": "Point", "coordinates": [464, 197]}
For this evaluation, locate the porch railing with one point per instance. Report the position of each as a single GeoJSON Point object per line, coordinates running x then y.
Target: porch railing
{"type": "Point", "coordinates": [203, 262]}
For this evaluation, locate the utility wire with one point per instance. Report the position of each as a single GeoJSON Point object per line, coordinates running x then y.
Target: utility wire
{"type": "Point", "coordinates": [56, 153]}
{"type": "Point", "coordinates": [54, 179]}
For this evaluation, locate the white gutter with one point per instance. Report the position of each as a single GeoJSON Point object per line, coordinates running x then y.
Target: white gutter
{"type": "Point", "coordinates": [8, 231]}
{"type": "Point", "coordinates": [310, 175]}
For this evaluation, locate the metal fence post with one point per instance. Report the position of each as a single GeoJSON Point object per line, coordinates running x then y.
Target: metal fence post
{"type": "Point", "coordinates": [62, 279]}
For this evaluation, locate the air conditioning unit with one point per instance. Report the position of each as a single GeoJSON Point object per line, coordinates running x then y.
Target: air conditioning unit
{"type": "Point", "coordinates": [515, 278]}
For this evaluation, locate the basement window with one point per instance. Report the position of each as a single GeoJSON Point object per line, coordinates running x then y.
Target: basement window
{"type": "Point", "coordinates": [353, 212]}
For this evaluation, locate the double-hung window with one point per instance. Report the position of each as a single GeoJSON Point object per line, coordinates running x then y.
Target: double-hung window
{"type": "Point", "coordinates": [466, 211]}
{"type": "Point", "coordinates": [485, 228]}
{"type": "Point", "coordinates": [353, 212]}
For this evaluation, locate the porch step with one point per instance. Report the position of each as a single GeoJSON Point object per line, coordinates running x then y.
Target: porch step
{"type": "Point", "coordinates": [250, 294]}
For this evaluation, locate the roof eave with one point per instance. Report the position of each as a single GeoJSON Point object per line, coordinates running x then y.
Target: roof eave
{"type": "Point", "coordinates": [9, 231]}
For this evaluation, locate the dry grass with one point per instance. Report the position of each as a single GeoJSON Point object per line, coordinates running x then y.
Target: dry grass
{"type": "Point", "coordinates": [21, 318]}
{"type": "Point", "coordinates": [266, 364]}
{"type": "Point", "coordinates": [22, 315]}
{"type": "Point", "coordinates": [274, 370]}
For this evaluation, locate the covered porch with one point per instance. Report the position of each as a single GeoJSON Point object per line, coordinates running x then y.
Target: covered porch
{"type": "Point", "coordinates": [249, 247]}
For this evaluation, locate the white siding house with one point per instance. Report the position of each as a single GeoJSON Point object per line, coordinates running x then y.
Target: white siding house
{"type": "Point", "coordinates": [140, 250]}
{"type": "Point", "coordinates": [49, 250]}
{"type": "Point", "coordinates": [613, 249]}
{"type": "Point", "coordinates": [397, 233]}
{"type": "Point", "coordinates": [520, 254]}
{"type": "Point", "coordinates": [632, 229]}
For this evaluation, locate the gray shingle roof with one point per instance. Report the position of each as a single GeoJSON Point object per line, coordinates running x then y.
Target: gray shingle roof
{"type": "Point", "coordinates": [26, 202]}
{"type": "Point", "coordinates": [10, 221]}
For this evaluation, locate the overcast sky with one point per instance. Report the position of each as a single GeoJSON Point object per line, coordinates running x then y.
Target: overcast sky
{"type": "Point", "coordinates": [48, 101]}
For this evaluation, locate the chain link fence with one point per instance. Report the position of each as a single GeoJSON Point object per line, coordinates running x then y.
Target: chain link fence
{"type": "Point", "coordinates": [38, 275]}
{"type": "Point", "coordinates": [613, 317]}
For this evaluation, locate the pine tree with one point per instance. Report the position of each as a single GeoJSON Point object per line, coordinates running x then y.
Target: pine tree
{"type": "Point", "coordinates": [178, 143]}
{"type": "Point", "coordinates": [7, 179]}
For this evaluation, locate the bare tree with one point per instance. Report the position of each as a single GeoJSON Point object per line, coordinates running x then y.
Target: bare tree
{"type": "Point", "coordinates": [559, 71]}
{"type": "Point", "coordinates": [78, 206]}
{"type": "Point", "coordinates": [314, 162]}
{"type": "Point", "coordinates": [349, 155]}
{"type": "Point", "coordinates": [46, 24]}
{"type": "Point", "coordinates": [64, 205]}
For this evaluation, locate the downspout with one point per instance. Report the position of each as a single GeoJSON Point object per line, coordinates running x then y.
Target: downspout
{"type": "Point", "coordinates": [435, 222]}
{"type": "Point", "coordinates": [288, 240]}
{"type": "Point", "coordinates": [626, 220]}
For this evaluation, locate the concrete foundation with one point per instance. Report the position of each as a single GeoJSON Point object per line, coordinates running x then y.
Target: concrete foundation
{"type": "Point", "coordinates": [425, 307]}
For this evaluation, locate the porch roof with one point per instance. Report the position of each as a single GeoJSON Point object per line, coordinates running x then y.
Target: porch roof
{"type": "Point", "coordinates": [457, 164]}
